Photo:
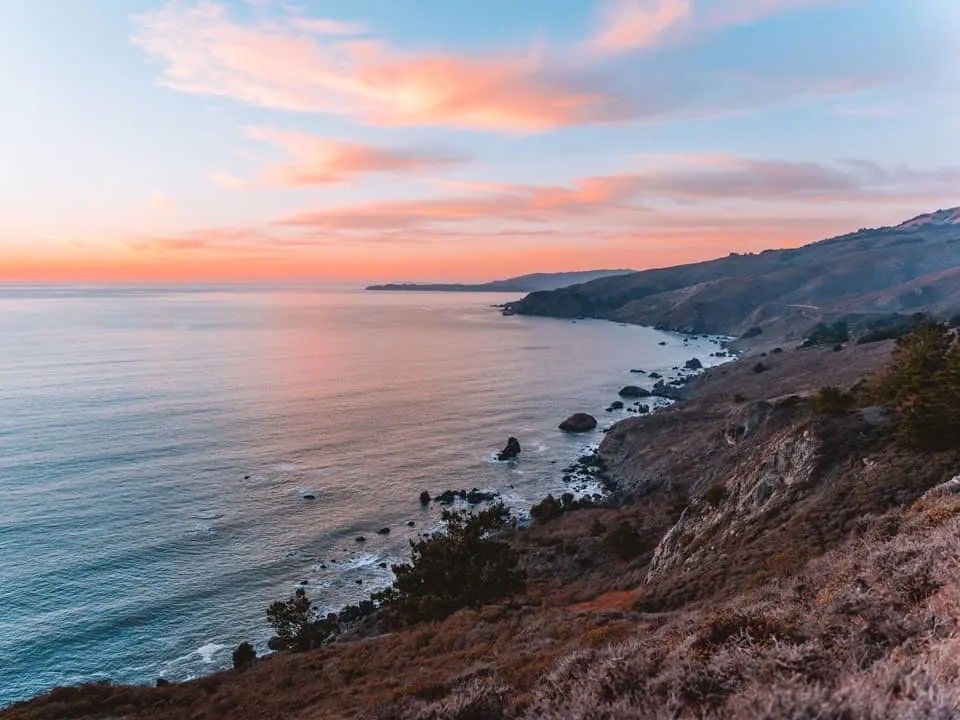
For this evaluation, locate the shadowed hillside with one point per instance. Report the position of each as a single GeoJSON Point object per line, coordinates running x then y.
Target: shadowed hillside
{"type": "Point", "coordinates": [908, 268]}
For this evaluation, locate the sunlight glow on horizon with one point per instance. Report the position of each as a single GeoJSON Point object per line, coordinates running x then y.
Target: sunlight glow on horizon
{"type": "Point", "coordinates": [421, 141]}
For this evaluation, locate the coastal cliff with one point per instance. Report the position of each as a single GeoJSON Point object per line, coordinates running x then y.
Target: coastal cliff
{"type": "Point", "coordinates": [762, 558]}
{"type": "Point", "coordinates": [912, 267]}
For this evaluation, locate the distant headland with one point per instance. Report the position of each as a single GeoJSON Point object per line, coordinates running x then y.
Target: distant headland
{"type": "Point", "coordinates": [534, 282]}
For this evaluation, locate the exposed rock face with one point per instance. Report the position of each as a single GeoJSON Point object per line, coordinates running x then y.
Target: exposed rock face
{"type": "Point", "coordinates": [579, 422]}
{"type": "Point", "coordinates": [510, 451]}
{"type": "Point", "coordinates": [693, 364]}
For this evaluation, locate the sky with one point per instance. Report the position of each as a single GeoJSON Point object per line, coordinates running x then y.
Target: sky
{"type": "Point", "coordinates": [262, 140]}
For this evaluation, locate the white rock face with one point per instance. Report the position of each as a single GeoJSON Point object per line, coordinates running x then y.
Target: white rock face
{"type": "Point", "coordinates": [788, 466]}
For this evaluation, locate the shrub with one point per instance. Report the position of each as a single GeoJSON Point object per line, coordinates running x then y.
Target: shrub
{"type": "Point", "coordinates": [550, 508]}
{"type": "Point", "coordinates": [292, 621]}
{"type": "Point", "coordinates": [715, 494]}
{"type": "Point", "coordinates": [832, 401]}
{"type": "Point", "coordinates": [465, 566]}
{"type": "Point", "coordinates": [244, 656]}
{"type": "Point", "coordinates": [624, 541]}
{"type": "Point", "coordinates": [827, 334]}
{"type": "Point", "coordinates": [892, 327]}
{"type": "Point", "coordinates": [923, 387]}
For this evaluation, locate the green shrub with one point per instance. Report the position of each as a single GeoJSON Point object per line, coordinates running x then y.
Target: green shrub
{"type": "Point", "coordinates": [624, 542]}
{"type": "Point", "coordinates": [465, 566]}
{"type": "Point", "coordinates": [923, 387]}
{"type": "Point", "coordinates": [292, 621]}
{"type": "Point", "coordinates": [832, 401]}
{"type": "Point", "coordinates": [715, 494]}
{"type": "Point", "coordinates": [550, 508]}
{"type": "Point", "coordinates": [827, 334]}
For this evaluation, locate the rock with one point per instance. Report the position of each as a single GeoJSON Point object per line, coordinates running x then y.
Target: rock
{"type": "Point", "coordinates": [309, 496]}
{"type": "Point", "coordinates": [383, 531]}
{"type": "Point", "coordinates": [639, 371]}
{"type": "Point", "coordinates": [275, 643]}
{"type": "Point", "coordinates": [655, 375]}
{"type": "Point", "coordinates": [662, 342]}
{"type": "Point", "coordinates": [411, 523]}
{"type": "Point", "coordinates": [643, 409]}
{"type": "Point", "coordinates": [579, 422]}
{"type": "Point", "coordinates": [661, 389]}
{"type": "Point", "coordinates": [360, 538]}
{"type": "Point", "coordinates": [510, 451]}
{"type": "Point", "coordinates": [877, 416]}
{"type": "Point", "coordinates": [162, 682]}
{"type": "Point", "coordinates": [476, 496]}
{"type": "Point", "coordinates": [633, 391]}
{"type": "Point", "coordinates": [693, 364]}
{"type": "Point", "coordinates": [424, 498]}
{"type": "Point", "coordinates": [382, 565]}
{"type": "Point", "coordinates": [448, 496]}
{"type": "Point", "coordinates": [615, 405]}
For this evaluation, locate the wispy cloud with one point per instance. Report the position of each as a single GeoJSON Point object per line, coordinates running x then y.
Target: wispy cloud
{"type": "Point", "coordinates": [319, 161]}
{"type": "Point", "coordinates": [302, 64]}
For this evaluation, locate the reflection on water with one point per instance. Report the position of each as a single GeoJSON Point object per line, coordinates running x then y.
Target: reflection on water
{"type": "Point", "coordinates": [156, 446]}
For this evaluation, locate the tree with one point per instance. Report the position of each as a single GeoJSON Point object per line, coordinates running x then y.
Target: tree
{"type": "Point", "coordinates": [464, 566]}
{"type": "Point", "coordinates": [923, 387]}
{"type": "Point", "coordinates": [292, 620]}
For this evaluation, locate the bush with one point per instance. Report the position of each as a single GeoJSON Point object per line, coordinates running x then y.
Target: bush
{"type": "Point", "coordinates": [244, 656]}
{"type": "Point", "coordinates": [827, 334]}
{"type": "Point", "coordinates": [893, 327]}
{"type": "Point", "coordinates": [832, 401]}
{"type": "Point", "coordinates": [624, 542]}
{"type": "Point", "coordinates": [922, 386]}
{"type": "Point", "coordinates": [550, 508]}
{"type": "Point", "coordinates": [715, 494]}
{"type": "Point", "coordinates": [292, 621]}
{"type": "Point", "coordinates": [463, 567]}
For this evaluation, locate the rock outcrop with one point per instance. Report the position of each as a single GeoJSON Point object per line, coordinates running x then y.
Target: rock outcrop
{"type": "Point", "coordinates": [511, 451]}
{"type": "Point", "coordinates": [578, 423]}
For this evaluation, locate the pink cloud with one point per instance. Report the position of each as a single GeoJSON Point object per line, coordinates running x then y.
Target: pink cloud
{"type": "Point", "coordinates": [319, 161]}
{"type": "Point", "coordinates": [633, 24]}
{"type": "Point", "coordinates": [280, 65]}
{"type": "Point", "coordinates": [627, 25]}
{"type": "Point", "coordinates": [687, 180]}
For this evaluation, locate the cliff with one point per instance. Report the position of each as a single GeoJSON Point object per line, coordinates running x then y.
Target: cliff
{"type": "Point", "coordinates": [764, 560]}
{"type": "Point", "coordinates": [912, 267]}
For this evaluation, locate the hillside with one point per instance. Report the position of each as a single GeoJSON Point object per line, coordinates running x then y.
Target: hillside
{"type": "Point", "coordinates": [912, 267]}
{"type": "Point", "coordinates": [763, 559]}
{"type": "Point", "coordinates": [523, 283]}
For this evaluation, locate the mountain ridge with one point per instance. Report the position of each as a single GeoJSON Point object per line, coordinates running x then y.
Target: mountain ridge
{"type": "Point", "coordinates": [871, 272]}
{"type": "Point", "coordinates": [531, 282]}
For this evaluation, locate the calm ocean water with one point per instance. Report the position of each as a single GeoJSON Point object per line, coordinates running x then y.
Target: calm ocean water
{"type": "Point", "coordinates": [156, 445]}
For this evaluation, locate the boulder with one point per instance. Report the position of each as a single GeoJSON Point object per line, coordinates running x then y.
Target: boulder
{"type": "Point", "coordinates": [615, 405]}
{"type": "Point", "coordinates": [424, 498]}
{"type": "Point", "coordinates": [275, 643]}
{"type": "Point", "coordinates": [662, 389]}
{"type": "Point", "coordinates": [633, 391]}
{"type": "Point", "coordinates": [477, 496]}
{"type": "Point", "coordinates": [510, 451]}
{"type": "Point", "coordinates": [383, 531]}
{"type": "Point", "coordinates": [693, 364]}
{"type": "Point", "coordinates": [579, 422]}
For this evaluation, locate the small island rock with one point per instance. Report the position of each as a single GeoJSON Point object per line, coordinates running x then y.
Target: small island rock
{"type": "Point", "coordinates": [510, 451]}
{"type": "Point", "coordinates": [579, 422]}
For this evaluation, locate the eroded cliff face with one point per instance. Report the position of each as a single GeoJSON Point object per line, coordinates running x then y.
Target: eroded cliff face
{"type": "Point", "coordinates": [758, 486]}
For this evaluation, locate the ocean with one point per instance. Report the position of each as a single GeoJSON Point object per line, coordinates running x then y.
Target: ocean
{"type": "Point", "coordinates": [157, 445]}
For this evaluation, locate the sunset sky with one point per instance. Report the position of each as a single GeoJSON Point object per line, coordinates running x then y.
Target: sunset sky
{"type": "Point", "coordinates": [431, 139]}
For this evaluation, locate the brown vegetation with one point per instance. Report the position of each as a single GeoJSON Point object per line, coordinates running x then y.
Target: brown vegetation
{"type": "Point", "coordinates": [771, 557]}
